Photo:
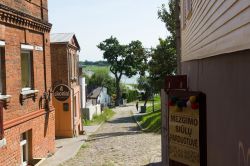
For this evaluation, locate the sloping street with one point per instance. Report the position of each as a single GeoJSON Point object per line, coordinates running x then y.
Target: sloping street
{"type": "Point", "coordinates": [119, 142]}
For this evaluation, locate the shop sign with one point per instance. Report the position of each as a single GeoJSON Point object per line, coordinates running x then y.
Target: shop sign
{"type": "Point", "coordinates": [186, 131]}
{"type": "Point", "coordinates": [61, 92]}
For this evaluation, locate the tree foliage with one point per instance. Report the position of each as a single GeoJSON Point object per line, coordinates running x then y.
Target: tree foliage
{"type": "Point", "coordinates": [169, 18]}
{"type": "Point", "coordinates": [144, 84]}
{"type": "Point", "coordinates": [101, 79]}
{"type": "Point", "coordinates": [125, 60]}
{"type": "Point", "coordinates": [164, 57]}
{"type": "Point", "coordinates": [163, 63]}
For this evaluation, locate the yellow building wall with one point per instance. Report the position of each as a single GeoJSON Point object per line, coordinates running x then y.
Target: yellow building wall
{"type": "Point", "coordinates": [64, 126]}
{"type": "Point", "coordinates": [67, 121]}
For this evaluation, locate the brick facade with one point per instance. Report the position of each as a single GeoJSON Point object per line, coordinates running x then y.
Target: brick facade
{"type": "Point", "coordinates": [26, 22]}
{"type": "Point", "coordinates": [60, 65]}
{"type": "Point", "coordinates": [65, 58]}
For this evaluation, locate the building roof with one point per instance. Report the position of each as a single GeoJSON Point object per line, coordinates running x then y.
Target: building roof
{"type": "Point", "coordinates": [63, 38]}
{"type": "Point", "coordinates": [95, 93]}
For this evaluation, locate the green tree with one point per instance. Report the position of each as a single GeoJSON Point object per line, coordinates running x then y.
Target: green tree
{"type": "Point", "coordinates": [171, 19]}
{"type": "Point", "coordinates": [125, 60]}
{"type": "Point", "coordinates": [144, 84]}
{"type": "Point", "coordinates": [102, 79]}
{"type": "Point", "coordinates": [162, 63]}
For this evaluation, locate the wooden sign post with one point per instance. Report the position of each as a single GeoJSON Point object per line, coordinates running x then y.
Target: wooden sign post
{"type": "Point", "coordinates": [186, 124]}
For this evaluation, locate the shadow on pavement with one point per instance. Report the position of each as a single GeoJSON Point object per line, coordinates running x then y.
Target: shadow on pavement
{"type": "Point", "coordinates": [154, 164]}
{"type": "Point", "coordinates": [95, 137]}
{"type": "Point", "coordinates": [133, 130]}
{"type": "Point", "coordinates": [127, 119]}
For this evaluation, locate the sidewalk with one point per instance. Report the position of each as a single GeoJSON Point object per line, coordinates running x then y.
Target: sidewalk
{"type": "Point", "coordinates": [67, 148]}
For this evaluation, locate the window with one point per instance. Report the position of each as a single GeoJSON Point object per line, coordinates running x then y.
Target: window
{"type": "Point", "coordinates": [2, 69]}
{"type": "Point", "coordinates": [24, 148]}
{"type": "Point", "coordinates": [74, 107]}
{"type": "Point", "coordinates": [26, 67]}
{"type": "Point", "coordinates": [188, 8]}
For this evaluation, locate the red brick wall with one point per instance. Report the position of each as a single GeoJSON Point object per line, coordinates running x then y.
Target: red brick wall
{"type": "Point", "coordinates": [59, 64]}
{"type": "Point", "coordinates": [32, 7]}
{"type": "Point", "coordinates": [42, 140]}
{"type": "Point", "coordinates": [13, 38]}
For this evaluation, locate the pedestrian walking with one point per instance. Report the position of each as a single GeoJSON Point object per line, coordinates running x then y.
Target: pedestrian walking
{"type": "Point", "coordinates": [136, 105]}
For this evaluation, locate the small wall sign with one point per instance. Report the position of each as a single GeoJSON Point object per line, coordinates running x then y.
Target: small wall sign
{"type": "Point", "coordinates": [65, 107]}
{"type": "Point", "coordinates": [61, 92]}
{"type": "Point", "coordinates": [38, 48]}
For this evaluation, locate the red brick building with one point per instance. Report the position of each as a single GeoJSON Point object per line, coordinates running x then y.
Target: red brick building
{"type": "Point", "coordinates": [65, 70]}
{"type": "Point", "coordinates": [25, 80]}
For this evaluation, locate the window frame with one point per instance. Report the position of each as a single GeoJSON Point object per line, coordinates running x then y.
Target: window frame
{"type": "Point", "coordinates": [24, 148]}
{"type": "Point", "coordinates": [30, 52]}
{"type": "Point", "coordinates": [2, 68]}
{"type": "Point", "coordinates": [188, 9]}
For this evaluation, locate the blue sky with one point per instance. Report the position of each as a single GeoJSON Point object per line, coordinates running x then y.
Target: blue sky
{"type": "Point", "coordinates": [96, 20]}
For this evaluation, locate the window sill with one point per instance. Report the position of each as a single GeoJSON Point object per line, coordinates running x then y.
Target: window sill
{"type": "Point", "coordinates": [3, 142]}
{"type": "Point", "coordinates": [4, 97]}
{"type": "Point", "coordinates": [28, 92]}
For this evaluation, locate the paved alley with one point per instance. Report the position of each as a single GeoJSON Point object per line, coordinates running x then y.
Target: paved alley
{"type": "Point", "coordinates": [119, 142]}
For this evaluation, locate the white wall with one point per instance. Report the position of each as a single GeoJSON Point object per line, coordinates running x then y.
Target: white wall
{"type": "Point", "coordinates": [104, 97]}
{"type": "Point", "coordinates": [83, 97]}
{"type": "Point", "coordinates": [92, 110]}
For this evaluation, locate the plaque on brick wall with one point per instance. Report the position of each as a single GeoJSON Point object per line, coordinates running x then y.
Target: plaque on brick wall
{"type": "Point", "coordinates": [61, 92]}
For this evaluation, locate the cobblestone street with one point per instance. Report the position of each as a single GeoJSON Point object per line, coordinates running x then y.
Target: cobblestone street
{"type": "Point", "coordinates": [119, 142]}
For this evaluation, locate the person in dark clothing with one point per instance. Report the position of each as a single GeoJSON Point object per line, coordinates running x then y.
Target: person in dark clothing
{"type": "Point", "coordinates": [136, 105]}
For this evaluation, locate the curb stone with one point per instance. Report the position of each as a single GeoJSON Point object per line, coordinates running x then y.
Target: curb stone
{"type": "Point", "coordinates": [138, 124]}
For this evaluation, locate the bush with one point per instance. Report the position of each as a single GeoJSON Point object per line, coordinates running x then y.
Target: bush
{"type": "Point", "coordinates": [132, 95]}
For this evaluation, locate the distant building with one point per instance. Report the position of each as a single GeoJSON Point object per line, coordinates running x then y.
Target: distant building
{"type": "Point", "coordinates": [28, 127]}
{"type": "Point", "coordinates": [99, 96]}
{"type": "Point", "coordinates": [65, 70]}
{"type": "Point", "coordinates": [215, 54]}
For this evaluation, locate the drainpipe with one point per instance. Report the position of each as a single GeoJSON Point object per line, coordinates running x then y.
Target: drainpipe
{"type": "Point", "coordinates": [44, 60]}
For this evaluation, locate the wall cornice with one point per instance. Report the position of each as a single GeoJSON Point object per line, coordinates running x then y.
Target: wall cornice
{"type": "Point", "coordinates": [20, 19]}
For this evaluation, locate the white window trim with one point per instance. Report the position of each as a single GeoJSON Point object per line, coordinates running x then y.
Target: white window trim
{"type": "Point", "coordinates": [28, 91]}
{"type": "Point", "coordinates": [4, 97]}
{"type": "Point", "coordinates": [27, 47]}
{"type": "Point", "coordinates": [22, 143]}
{"type": "Point", "coordinates": [2, 43]}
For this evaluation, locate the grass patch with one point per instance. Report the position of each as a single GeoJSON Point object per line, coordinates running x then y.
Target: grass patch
{"type": "Point", "coordinates": [157, 106]}
{"type": "Point", "coordinates": [98, 119]}
{"type": "Point", "coordinates": [95, 69]}
{"type": "Point", "coordinates": [151, 122]}
{"type": "Point", "coordinates": [85, 145]}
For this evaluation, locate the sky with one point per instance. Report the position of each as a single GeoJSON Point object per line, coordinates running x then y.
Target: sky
{"type": "Point", "coordinates": [93, 21]}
